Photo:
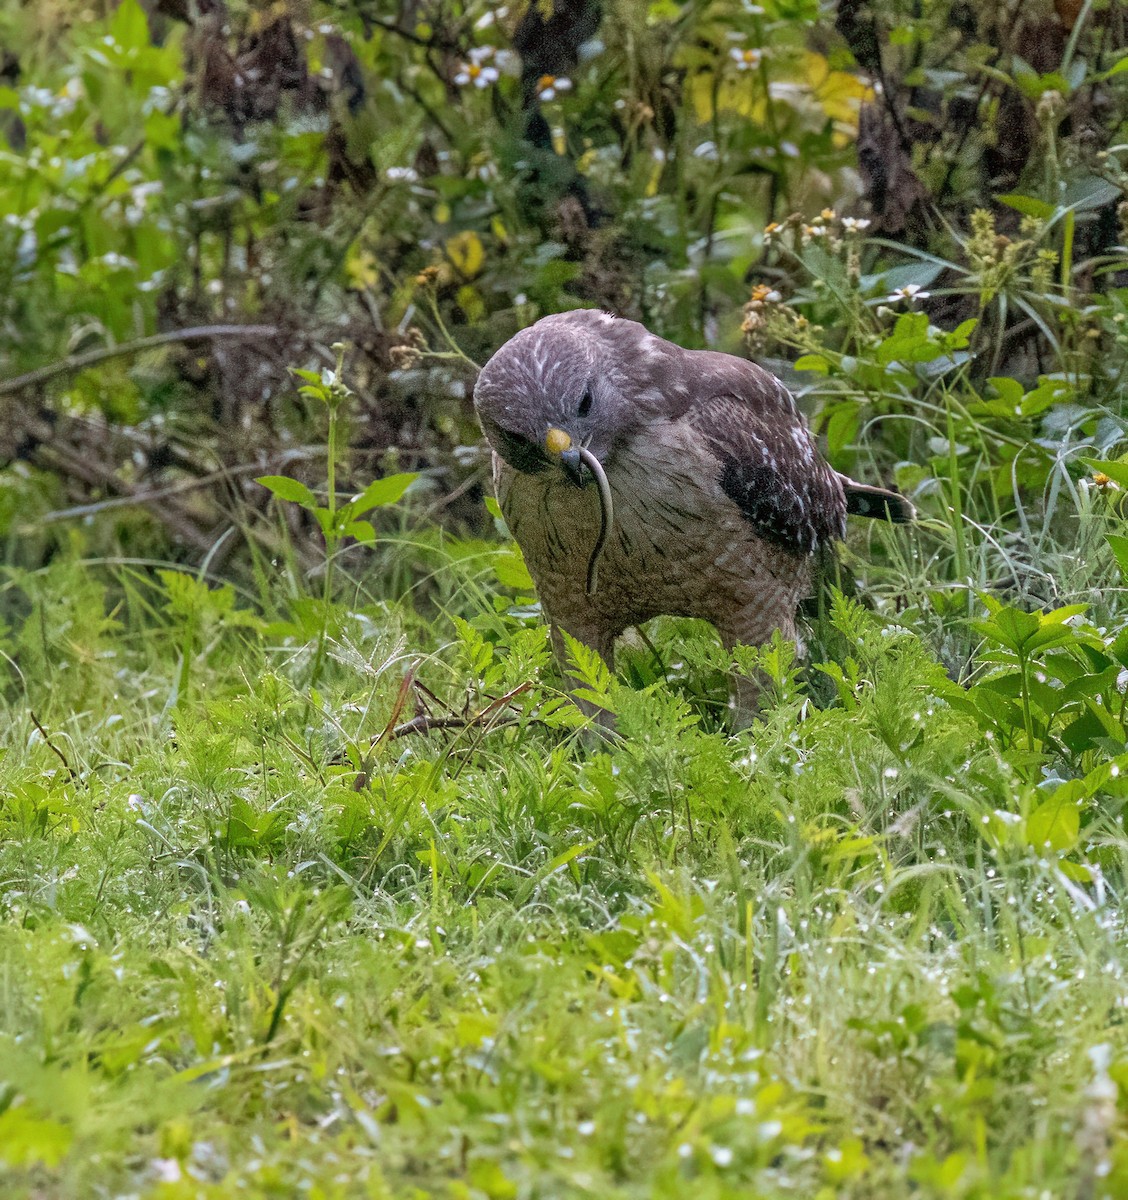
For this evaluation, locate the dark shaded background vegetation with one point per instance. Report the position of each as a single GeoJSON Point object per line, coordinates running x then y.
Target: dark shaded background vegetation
{"type": "Point", "coordinates": [198, 195]}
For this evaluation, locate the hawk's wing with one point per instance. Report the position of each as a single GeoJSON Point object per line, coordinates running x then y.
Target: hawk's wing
{"type": "Point", "coordinates": [766, 458]}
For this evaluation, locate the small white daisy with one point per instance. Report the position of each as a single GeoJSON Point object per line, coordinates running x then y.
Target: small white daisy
{"type": "Point", "coordinates": [478, 69]}
{"type": "Point", "coordinates": [746, 60]}
{"type": "Point", "coordinates": [550, 86]}
{"type": "Point", "coordinates": [479, 76]}
{"type": "Point", "coordinates": [908, 293]}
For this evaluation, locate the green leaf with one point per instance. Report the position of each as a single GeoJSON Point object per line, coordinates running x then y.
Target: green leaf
{"type": "Point", "coordinates": [381, 492]}
{"type": "Point", "coordinates": [1011, 627]}
{"type": "Point", "coordinates": [913, 340]}
{"type": "Point", "coordinates": [286, 488]}
{"type": "Point", "coordinates": [1084, 195]}
{"type": "Point", "coordinates": [923, 273]}
{"type": "Point", "coordinates": [550, 868]}
{"type": "Point", "coordinates": [586, 665]}
{"type": "Point", "coordinates": [909, 341]}
{"type": "Point", "coordinates": [1055, 824]}
{"type": "Point", "coordinates": [191, 597]}
{"type": "Point", "coordinates": [1029, 206]}
{"type": "Point", "coordinates": [1117, 68]}
{"type": "Point", "coordinates": [129, 28]}
{"type": "Point", "coordinates": [510, 570]}
{"type": "Point", "coordinates": [1118, 544]}
{"type": "Point", "coordinates": [27, 1140]}
{"type": "Point", "coordinates": [1117, 470]}
{"type": "Point", "coordinates": [812, 362]}
{"type": "Point", "coordinates": [326, 520]}
{"type": "Point", "coordinates": [361, 530]}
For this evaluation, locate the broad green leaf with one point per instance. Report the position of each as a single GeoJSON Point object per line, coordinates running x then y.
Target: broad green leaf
{"type": "Point", "coordinates": [313, 377]}
{"type": "Point", "coordinates": [1116, 470]}
{"type": "Point", "coordinates": [381, 492]}
{"type": "Point", "coordinates": [363, 531]}
{"type": "Point", "coordinates": [509, 567]}
{"type": "Point", "coordinates": [27, 1140]}
{"type": "Point", "coordinates": [1084, 195]}
{"type": "Point", "coordinates": [1011, 627]}
{"type": "Point", "coordinates": [1054, 825]}
{"type": "Point", "coordinates": [1029, 206]}
{"type": "Point", "coordinates": [812, 362]}
{"type": "Point", "coordinates": [1010, 390]}
{"type": "Point", "coordinates": [913, 340]}
{"type": "Point", "coordinates": [286, 488]}
{"type": "Point", "coordinates": [129, 27]}
{"type": "Point", "coordinates": [922, 273]}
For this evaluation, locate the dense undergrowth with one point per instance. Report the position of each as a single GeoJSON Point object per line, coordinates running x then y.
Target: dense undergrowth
{"type": "Point", "coordinates": [312, 879]}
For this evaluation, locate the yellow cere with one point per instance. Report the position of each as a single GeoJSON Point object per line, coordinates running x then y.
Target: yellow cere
{"type": "Point", "coordinates": [557, 441]}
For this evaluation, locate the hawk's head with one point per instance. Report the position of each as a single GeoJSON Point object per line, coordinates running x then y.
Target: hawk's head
{"type": "Point", "coordinates": [556, 387]}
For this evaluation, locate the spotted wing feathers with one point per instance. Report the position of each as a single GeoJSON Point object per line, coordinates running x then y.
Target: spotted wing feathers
{"type": "Point", "coordinates": [768, 466]}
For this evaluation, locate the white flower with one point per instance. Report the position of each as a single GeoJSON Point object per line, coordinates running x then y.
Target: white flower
{"type": "Point", "coordinates": [746, 60]}
{"type": "Point", "coordinates": [550, 86]}
{"type": "Point", "coordinates": [497, 14]}
{"type": "Point", "coordinates": [909, 293]}
{"type": "Point", "coordinates": [855, 224]}
{"type": "Point", "coordinates": [477, 70]}
{"type": "Point", "coordinates": [401, 175]}
{"type": "Point", "coordinates": [480, 77]}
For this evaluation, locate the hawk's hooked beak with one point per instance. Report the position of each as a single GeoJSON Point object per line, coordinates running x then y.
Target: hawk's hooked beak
{"type": "Point", "coordinates": [559, 443]}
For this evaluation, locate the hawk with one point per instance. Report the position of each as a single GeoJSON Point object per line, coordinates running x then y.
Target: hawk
{"type": "Point", "coordinates": [642, 479]}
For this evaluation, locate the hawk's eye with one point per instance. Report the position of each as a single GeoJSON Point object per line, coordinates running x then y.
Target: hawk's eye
{"type": "Point", "coordinates": [586, 401]}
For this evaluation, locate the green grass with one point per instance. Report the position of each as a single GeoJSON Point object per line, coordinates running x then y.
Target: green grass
{"type": "Point", "coordinates": [869, 947]}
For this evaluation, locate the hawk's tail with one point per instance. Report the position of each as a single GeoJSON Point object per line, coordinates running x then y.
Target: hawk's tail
{"type": "Point", "coordinates": [865, 501]}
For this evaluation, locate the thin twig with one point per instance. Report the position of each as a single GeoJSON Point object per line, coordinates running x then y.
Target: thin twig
{"type": "Point", "coordinates": [79, 362]}
{"type": "Point", "coordinates": [426, 724]}
{"type": "Point", "coordinates": [165, 493]}
{"type": "Point", "coordinates": [51, 745]}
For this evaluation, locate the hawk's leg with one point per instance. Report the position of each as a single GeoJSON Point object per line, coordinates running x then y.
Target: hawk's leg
{"type": "Point", "coordinates": [750, 629]}
{"type": "Point", "coordinates": [602, 641]}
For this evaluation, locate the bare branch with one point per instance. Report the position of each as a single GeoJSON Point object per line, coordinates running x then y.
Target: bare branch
{"type": "Point", "coordinates": [79, 362]}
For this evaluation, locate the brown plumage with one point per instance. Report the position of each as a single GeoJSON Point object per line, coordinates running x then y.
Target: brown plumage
{"type": "Point", "coordinates": [720, 496]}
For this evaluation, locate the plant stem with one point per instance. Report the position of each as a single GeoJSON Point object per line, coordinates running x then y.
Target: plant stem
{"type": "Point", "coordinates": [955, 501]}
{"type": "Point", "coordinates": [334, 396]}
